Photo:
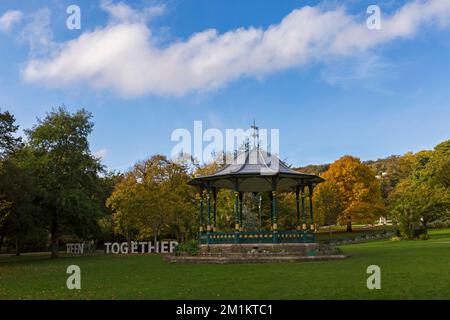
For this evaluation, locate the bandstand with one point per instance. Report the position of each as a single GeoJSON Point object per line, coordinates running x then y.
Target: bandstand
{"type": "Point", "coordinates": [256, 171]}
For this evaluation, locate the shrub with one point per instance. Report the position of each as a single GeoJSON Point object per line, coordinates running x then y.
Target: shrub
{"type": "Point", "coordinates": [396, 238]}
{"type": "Point", "coordinates": [189, 247]}
{"type": "Point", "coordinates": [441, 223]}
{"type": "Point", "coordinates": [424, 236]}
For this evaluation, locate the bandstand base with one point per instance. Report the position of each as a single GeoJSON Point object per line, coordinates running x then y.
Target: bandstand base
{"type": "Point", "coordinates": [260, 248]}
{"type": "Point", "coordinates": [260, 253]}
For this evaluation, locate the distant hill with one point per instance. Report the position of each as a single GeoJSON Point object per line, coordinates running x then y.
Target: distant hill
{"type": "Point", "coordinates": [379, 165]}
{"type": "Point", "coordinates": [317, 169]}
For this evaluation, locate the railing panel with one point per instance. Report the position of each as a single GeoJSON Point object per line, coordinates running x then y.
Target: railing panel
{"type": "Point", "coordinates": [291, 236]}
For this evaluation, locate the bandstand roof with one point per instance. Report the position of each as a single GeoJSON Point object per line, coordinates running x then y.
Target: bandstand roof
{"type": "Point", "coordinates": [257, 170]}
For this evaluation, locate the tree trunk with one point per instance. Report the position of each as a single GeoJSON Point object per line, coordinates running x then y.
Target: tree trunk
{"type": "Point", "coordinates": [155, 236]}
{"type": "Point", "coordinates": [2, 238]}
{"type": "Point", "coordinates": [55, 234]}
{"type": "Point", "coordinates": [17, 248]}
{"type": "Point", "coordinates": [129, 242]}
{"type": "Point", "coordinates": [349, 226]}
{"type": "Point", "coordinates": [425, 226]}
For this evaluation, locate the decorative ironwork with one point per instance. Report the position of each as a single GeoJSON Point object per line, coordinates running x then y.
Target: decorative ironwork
{"type": "Point", "coordinates": [285, 236]}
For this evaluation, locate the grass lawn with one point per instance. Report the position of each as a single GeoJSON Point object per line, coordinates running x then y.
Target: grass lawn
{"type": "Point", "coordinates": [409, 270]}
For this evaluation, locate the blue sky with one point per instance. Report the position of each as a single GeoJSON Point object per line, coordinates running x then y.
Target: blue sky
{"type": "Point", "coordinates": [345, 90]}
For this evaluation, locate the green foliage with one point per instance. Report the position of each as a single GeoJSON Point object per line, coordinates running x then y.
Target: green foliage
{"type": "Point", "coordinates": [443, 222]}
{"type": "Point", "coordinates": [424, 196]}
{"type": "Point", "coordinates": [67, 183]}
{"type": "Point", "coordinates": [18, 213]}
{"type": "Point", "coordinates": [188, 247]}
{"type": "Point", "coordinates": [391, 171]}
{"type": "Point", "coordinates": [25, 223]}
{"type": "Point", "coordinates": [314, 169]}
{"type": "Point", "coordinates": [8, 142]}
{"type": "Point", "coordinates": [424, 236]}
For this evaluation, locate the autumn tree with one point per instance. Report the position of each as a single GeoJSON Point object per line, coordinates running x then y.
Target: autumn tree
{"type": "Point", "coordinates": [359, 188]}
{"type": "Point", "coordinates": [181, 203]}
{"type": "Point", "coordinates": [328, 202]}
{"type": "Point", "coordinates": [126, 206]}
{"type": "Point", "coordinates": [154, 199]}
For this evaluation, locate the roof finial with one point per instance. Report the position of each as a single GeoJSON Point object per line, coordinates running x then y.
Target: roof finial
{"type": "Point", "coordinates": [255, 134]}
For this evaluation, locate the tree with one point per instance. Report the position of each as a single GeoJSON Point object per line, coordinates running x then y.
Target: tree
{"type": "Point", "coordinates": [154, 199]}
{"type": "Point", "coordinates": [359, 188]}
{"type": "Point", "coordinates": [10, 176]}
{"type": "Point", "coordinates": [181, 211]}
{"type": "Point", "coordinates": [8, 142]}
{"type": "Point", "coordinates": [107, 184]}
{"type": "Point", "coordinates": [126, 206]}
{"type": "Point", "coordinates": [329, 203]}
{"type": "Point", "coordinates": [392, 171]}
{"type": "Point", "coordinates": [67, 173]}
{"type": "Point", "coordinates": [5, 209]}
{"type": "Point", "coordinates": [424, 196]}
{"type": "Point", "coordinates": [18, 183]}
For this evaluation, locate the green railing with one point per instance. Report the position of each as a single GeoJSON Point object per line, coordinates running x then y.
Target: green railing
{"type": "Point", "coordinates": [281, 236]}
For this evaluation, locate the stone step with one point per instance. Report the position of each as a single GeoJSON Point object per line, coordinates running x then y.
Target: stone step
{"type": "Point", "coordinates": [251, 259]}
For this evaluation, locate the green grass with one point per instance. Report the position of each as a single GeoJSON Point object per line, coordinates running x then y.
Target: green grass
{"type": "Point", "coordinates": [410, 270]}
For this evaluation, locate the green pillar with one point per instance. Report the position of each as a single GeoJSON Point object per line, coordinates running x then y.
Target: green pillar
{"type": "Point", "coordinates": [208, 199]}
{"type": "Point", "coordinates": [271, 206]}
{"type": "Point", "coordinates": [214, 208]}
{"type": "Point", "coordinates": [274, 217]}
{"type": "Point", "coordinates": [297, 202]}
{"type": "Point", "coordinates": [236, 211]}
{"type": "Point", "coordinates": [303, 208]}
{"type": "Point", "coordinates": [311, 212]}
{"type": "Point", "coordinates": [274, 212]}
{"type": "Point", "coordinates": [200, 218]}
{"type": "Point", "coordinates": [260, 212]}
{"type": "Point", "coordinates": [241, 198]}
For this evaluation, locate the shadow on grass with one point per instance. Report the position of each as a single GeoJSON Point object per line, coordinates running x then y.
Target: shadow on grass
{"type": "Point", "coordinates": [12, 259]}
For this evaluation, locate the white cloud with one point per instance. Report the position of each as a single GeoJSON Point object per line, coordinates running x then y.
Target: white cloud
{"type": "Point", "coordinates": [101, 154]}
{"type": "Point", "coordinates": [37, 33]}
{"type": "Point", "coordinates": [9, 19]}
{"type": "Point", "coordinates": [122, 13]}
{"type": "Point", "coordinates": [124, 56]}
{"type": "Point", "coordinates": [356, 68]}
